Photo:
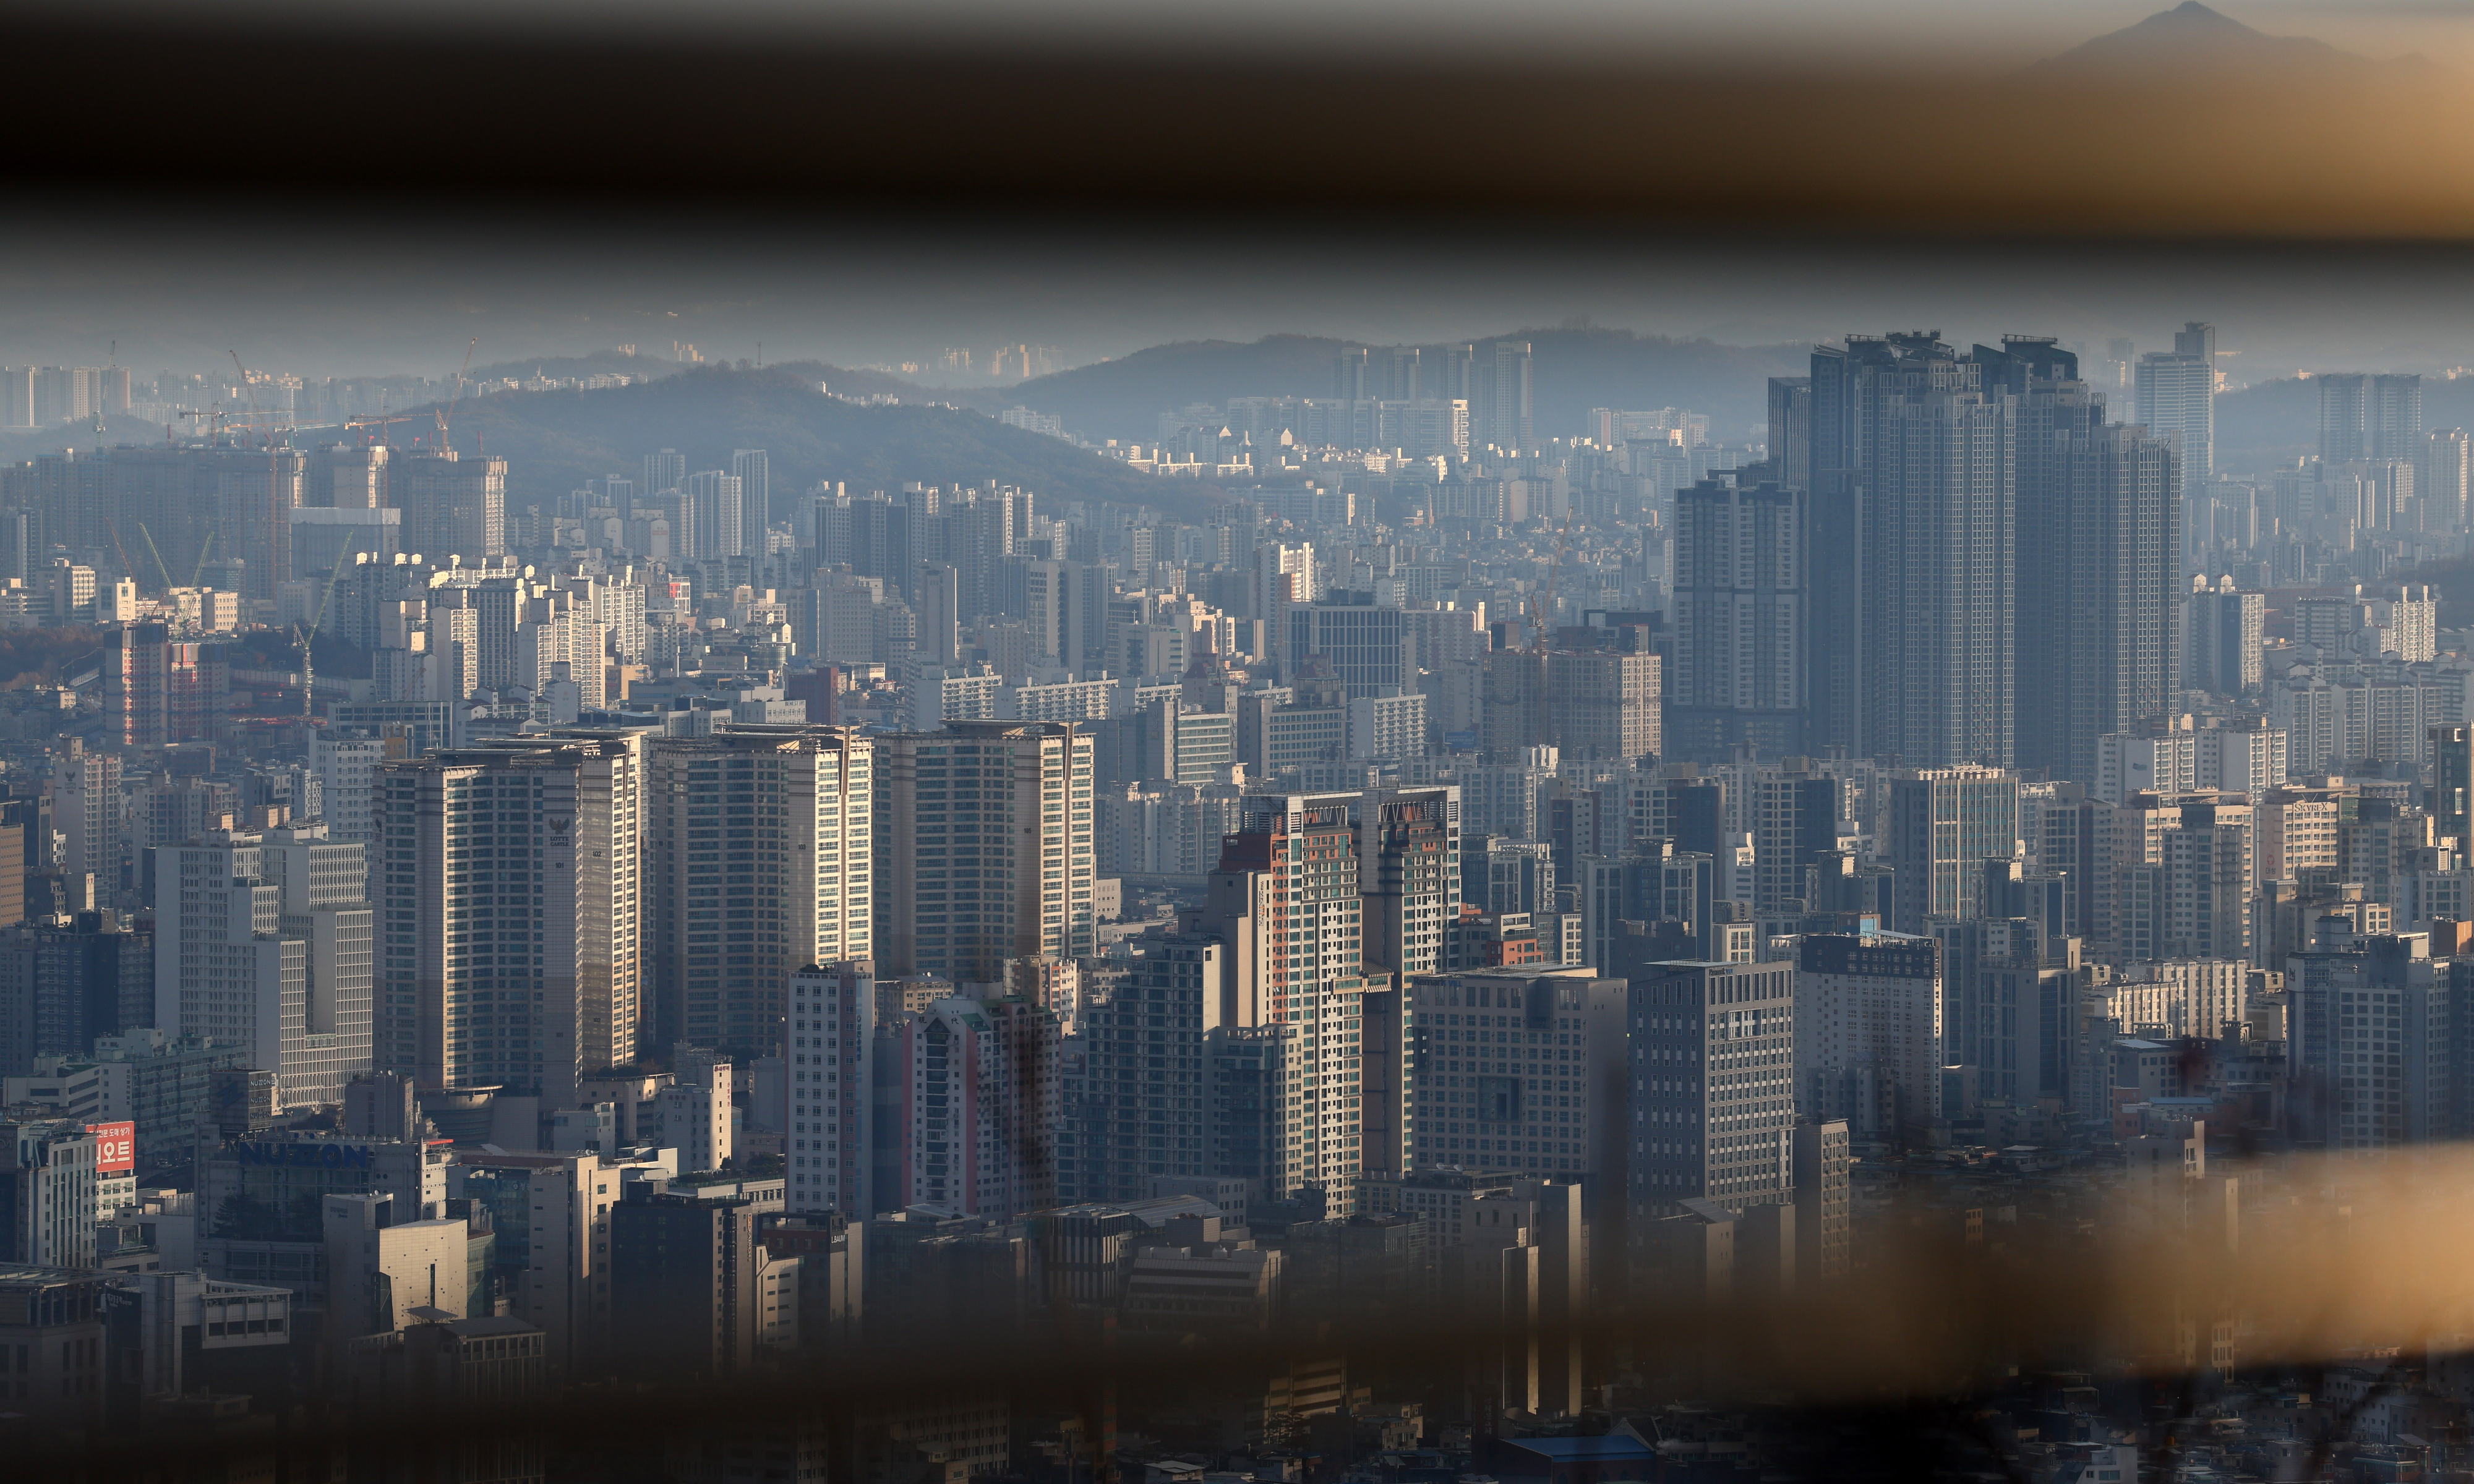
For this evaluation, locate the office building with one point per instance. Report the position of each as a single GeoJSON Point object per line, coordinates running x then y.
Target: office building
{"type": "Point", "coordinates": [685, 1276]}
{"type": "Point", "coordinates": [1824, 1202]}
{"type": "Point", "coordinates": [984, 848]}
{"type": "Point", "coordinates": [48, 1169]}
{"type": "Point", "coordinates": [1944, 822]}
{"type": "Point", "coordinates": [510, 942]}
{"type": "Point", "coordinates": [1869, 1031]}
{"type": "Point", "coordinates": [759, 850]}
{"type": "Point", "coordinates": [551, 1217]}
{"type": "Point", "coordinates": [62, 987]}
{"type": "Point", "coordinates": [1364, 643]}
{"type": "Point", "coordinates": [1518, 1069]}
{"type": "Point", "coordinates": [1714, 1097]}
{"type": "Point", "coordinates": [1740, 621]}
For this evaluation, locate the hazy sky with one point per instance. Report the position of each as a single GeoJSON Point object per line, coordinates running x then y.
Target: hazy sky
{"type": "Point", "coordinates": [318, 289]}
{"type": "Point", "coordinates": [2000, 32]}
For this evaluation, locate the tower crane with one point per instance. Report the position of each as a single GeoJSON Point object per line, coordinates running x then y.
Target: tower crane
{"type": "Point", "coordinates": [1538, 617]}
{"type": "Point", "coordinates": [309, 639]}
{"type": "Point", "coordinates": [449, 415]}
{"type": "Point", "coordinates": [158, 555]}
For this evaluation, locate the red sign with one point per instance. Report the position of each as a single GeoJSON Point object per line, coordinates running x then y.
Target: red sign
{"type": "Point", "coordinates": [115, 1147]}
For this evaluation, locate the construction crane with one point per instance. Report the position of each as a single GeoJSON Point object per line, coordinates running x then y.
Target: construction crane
{"type": "Point", "coordinates": [381, 422]}
{"type": "Point", "coordinates": [248, 389]}
{"type": "Point", "coordinates": [126, 570]}
{"type": "Point", "coordinates": [203, 551]}
{"type": "Point", "coordinates": [158, 555]}
{"type": "Point", "coordinates": [449, 415]}
{"type": "Point", "coordinates": [1538, 615]}
{"type": "Point", "coordinates": [309, 639]}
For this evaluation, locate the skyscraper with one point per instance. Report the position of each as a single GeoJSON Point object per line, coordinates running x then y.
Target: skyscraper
{"type": "Point", "coordinates": [1910, 607]}
{"type": "Point", "coordinates": [2178, 400]}
{"type": "Point", "coordinates": [510, 942]}
{"type": "Point", "coordinates": [983, 848]}
{"type": "Point", "coordinates": [759, 846]}
{"type": "Point", "coordinates": [1739, 620]}
{"type": "Point", "coordinates": [2099, 629]}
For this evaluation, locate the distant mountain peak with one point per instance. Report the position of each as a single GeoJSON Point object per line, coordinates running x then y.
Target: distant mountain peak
{"type": "Point", "coordinates": [2196, 43]}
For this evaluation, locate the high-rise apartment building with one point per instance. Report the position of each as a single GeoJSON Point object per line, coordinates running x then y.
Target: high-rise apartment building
{"type": "Point", "coordinates": [2099, 579]}
{"type": "Point", "coordinates": [829, 1079]}
{"type": "Point", "coordinates": [983, 848]}
{"type": "Point", "coordinates": [226, 969]}
{"type": "Point", "coordinates": [970, 1093]}
{"type": "Point", "coordinates": [2452, 790]}
{"type": "Point", "coordinates": [1504, 413]}
{"type": "Point", "coordinates": [1714, 1101]}
{"type": "Point", "coordinates": [759, 852]}
{"type": "Point", "coordinates": [1909, 638]}
{"type": "Point", "coordinates": [510, 949]}
{"type": "Point", "coordinates": [452, 506]}
{"type": "Point", "coordinates": [665, 471]}
{"type": "Point", "coordinates": [1409, 843]}
{"type": "Point", "coordinates": [1740, 621]}
{"type": "Point", "coordinates": [2227, 629]}
{"type": "Point", "coordinates": [1288, 901]}
{"type": "Point", "coordinates": [86, 810]}
{"type": "Point", "coordinates": [1137, 1098]}
{"type": "Point", "coordinates": [1869, 1031]}
{"type": "Point", "coordinates": [2369, 416]}
{"type": "Point", "coordinates": [2178, 400]}
{"type": "Point", "coordinates": [754, 472]}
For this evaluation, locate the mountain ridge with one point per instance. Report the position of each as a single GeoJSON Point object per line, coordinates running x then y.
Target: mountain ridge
{"type": "Point", "coordinates": [2194, 43]}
